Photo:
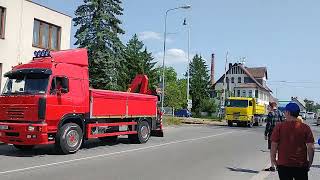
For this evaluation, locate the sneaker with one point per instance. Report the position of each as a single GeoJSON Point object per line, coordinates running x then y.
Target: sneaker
{"type": "Point", "coordinates": [272, 169]}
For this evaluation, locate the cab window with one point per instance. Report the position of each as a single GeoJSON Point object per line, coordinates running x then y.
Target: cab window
{"type": "Point", "coordinates": [60, 84]}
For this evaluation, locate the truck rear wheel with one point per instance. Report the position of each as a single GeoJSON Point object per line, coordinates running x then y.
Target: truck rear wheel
{"type": "Point", "coordinates": [230, 124]}
{"type": "Point", "coordinates": [69, 138]}
{"type": "Point", "coordinates": [24, 147]}
{"type": "Point", "coordinates": [143, 135]}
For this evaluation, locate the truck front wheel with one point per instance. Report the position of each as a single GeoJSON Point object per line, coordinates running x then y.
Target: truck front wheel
{"type": "Point", "coordinates": [24, 147]}
{"type": "Point", "coordinates": [143, 133]}
{"type": "Point", "coordinates": [69, 138]}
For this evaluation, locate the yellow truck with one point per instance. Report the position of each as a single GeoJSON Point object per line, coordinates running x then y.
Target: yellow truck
{"type": "Point", "coordinates": [244, 111]}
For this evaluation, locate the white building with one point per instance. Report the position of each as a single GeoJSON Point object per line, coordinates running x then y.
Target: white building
{"type": "Point", "coordinates": [242, 81]}
{"type": "Point", "coordinates": [26, 26]}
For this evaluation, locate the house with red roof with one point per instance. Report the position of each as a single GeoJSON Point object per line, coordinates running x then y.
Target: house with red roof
{"type": "Point", "coordinates": [242, 81]}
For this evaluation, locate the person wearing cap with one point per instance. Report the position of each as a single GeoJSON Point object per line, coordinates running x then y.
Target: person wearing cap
{"type": "Point", "coordinates": [274, 117]}
{"type": "Point", "coordinates": [293, 141]}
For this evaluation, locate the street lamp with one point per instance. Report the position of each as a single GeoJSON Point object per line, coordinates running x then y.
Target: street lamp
{"type": "Point", "coordinates": [188, 66]}
{"type": "Point", "coordinates": [164, 47]}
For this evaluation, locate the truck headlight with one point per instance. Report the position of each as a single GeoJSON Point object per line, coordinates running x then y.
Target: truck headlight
{"type": "Point", "coordinates": [31, 128]}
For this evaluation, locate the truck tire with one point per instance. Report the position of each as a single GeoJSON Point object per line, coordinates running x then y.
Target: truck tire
{"type": "Point", "coordinates": [257, 121]}
{"type": "Point", "coordinates": [230, 124]}
{"type": "Point", "coordinates": [69, 138]}
{"type": "Point", "coordinates": [24, 147]}
{"type": "Point", "coordinates": [143, 135]}
{"type": "Point", "coordinates": [109, 139]}
{"type": "Point", "coordinates": [250, 123]}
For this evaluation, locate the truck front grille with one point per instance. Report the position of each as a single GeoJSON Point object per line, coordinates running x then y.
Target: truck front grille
{"type": "Point", "coordinates": [15, 113]}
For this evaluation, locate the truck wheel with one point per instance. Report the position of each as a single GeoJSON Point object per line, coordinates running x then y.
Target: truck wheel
{"type": "Point", "coordinates": [24, 147]}
{"type": "Point", "coordinates": [250, 123]}
{"type": "Point", "coordinates": [257, 121]}
{"type": "Point", "coordinates": [143, 135]}
{"type": "Point", "coordinates": [230, 124]}
{"type": "Point", "coordinates": [109, 139]}
{"type": "Point", "coordinates": [69, 138]}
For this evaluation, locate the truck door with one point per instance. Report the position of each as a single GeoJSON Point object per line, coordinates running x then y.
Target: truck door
{"type": "Point", "coordinates": [59, 101]}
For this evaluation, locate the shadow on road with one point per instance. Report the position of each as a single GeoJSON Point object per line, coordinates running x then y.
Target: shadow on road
{"type": "Point", "coordinates": [265, 151]}
{"type": "Point", "coordinates": [243, 170]}
{"type": "Point", "coordinates": [42, 150]}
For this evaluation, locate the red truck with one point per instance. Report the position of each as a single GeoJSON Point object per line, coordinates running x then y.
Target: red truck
{"type": "Point", "coordinates": [49, 101]}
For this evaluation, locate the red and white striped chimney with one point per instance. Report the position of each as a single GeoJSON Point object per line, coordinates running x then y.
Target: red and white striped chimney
{"type": "Point", "coordinates": [212, 80]}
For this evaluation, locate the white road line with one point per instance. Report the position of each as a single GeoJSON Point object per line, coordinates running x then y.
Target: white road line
{"type": "Point", "coordinates": [110, 154]}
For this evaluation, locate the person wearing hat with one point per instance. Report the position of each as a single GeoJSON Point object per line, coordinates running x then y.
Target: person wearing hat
{"type": "Point", "coordinates": [274, 117]}
{"type": "Point", "coordinates": [293, 141]}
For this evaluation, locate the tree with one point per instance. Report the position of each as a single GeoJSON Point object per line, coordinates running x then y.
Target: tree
{"type": "Point", "coordinates": [199, 83]}
{"type": "Point", "coordinates": [140, 61]}
{"type": "Point", "coordinates": [175, 89]}
{"type": "Point", "coordinates": [98, 31]}
{"type": "Point", "coordinates": [310, 106]}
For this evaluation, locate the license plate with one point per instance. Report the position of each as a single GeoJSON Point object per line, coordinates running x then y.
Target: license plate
{"type": "Point", "coordinates": [4, 127]}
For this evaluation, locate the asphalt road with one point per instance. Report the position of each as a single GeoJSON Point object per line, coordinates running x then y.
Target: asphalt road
{"type": "Point", "coordinates": [187, 152]}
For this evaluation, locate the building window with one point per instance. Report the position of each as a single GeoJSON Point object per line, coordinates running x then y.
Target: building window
{"type": "Point", "coordinates": [2, 21]}
{"type": "Point", "coordinates": [250, 93]}
{"type": "Point", "coordinates": [227, 80]}
{"type": "Point", "coordinates": [256, 93]}
{"type": "Point", "coordinates": [239, 79]}
{"type": "Point", "coordinates": [238, 93]}
{"type": "Point", "coordinates": [45, 35]}
{"type": "Point", "coordinates": [244, 93]}
{"type": "Point", "coordinates": [232, 80]}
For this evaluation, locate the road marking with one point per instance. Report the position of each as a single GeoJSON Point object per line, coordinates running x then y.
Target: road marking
{"type": "Point", "coordinates": [110, 154]}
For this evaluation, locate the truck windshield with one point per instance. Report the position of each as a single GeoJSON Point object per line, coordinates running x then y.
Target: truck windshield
{"type": "Point", "coordinates": [26, 84]}
{"type": "Point", "coordinates": [237, 103]}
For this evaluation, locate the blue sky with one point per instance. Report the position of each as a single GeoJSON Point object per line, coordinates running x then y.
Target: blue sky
{"type": "Point", "coordinates": [283, 35]}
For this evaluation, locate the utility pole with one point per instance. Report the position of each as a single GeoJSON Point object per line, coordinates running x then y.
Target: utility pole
{"type": "Point", "coordinates": [223, 96]}
{"type": "Point", "coordinates": [188, 65]}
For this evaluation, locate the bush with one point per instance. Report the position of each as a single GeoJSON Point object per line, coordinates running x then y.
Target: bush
{"type": "Point", "coordinates": [167, 120]}
{"type": "Point", "coordinates": [208, 105]}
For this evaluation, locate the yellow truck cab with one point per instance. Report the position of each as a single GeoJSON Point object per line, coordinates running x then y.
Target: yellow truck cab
{"type": "Point", "coordinates": [244, 111]}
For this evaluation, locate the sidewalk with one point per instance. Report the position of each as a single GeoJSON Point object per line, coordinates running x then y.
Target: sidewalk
{"type": "Point", "coordinates": [314, 173]}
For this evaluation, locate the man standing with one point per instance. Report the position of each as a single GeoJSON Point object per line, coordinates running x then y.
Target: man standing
{"type": "Point", "coordinates": [274, 117]}
{"type": "Point", "coordinates": [294, 143]}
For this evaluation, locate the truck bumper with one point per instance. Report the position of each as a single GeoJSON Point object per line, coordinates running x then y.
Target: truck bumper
{"type": "Point", "coordinates": [18, 133]}
{"type": "Point", "coordinates": [239, 118]}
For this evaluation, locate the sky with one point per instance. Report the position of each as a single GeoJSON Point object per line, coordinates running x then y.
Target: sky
{"type": "Point", "coordinates": [282, 35]}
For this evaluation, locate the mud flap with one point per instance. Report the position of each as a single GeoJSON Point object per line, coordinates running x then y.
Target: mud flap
{"type": "Point", "coordinates": [157, 133]}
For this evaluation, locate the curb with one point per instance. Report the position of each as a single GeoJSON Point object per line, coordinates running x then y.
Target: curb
{"type": "Point", "coordinates": [203, 122]}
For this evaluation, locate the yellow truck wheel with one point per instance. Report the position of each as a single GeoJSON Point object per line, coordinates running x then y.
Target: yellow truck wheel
{"type": "Point", "coordinates": [230, 123]}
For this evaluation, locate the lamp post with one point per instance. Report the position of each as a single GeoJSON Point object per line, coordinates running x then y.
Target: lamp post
{"type": "Point", "coordinates": [188, 66]}
{"type": "Point", "coordinates": [164, 48]}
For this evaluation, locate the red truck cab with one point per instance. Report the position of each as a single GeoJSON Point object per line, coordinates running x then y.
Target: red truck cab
{"type": "Point", "coordinates": [49, 101]}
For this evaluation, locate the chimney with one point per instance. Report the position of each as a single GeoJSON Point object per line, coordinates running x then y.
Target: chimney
{"type": "Point", "coordinates": [212, 80]}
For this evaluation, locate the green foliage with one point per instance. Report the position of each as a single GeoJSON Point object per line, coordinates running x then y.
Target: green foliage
{"type": "Point", "coordinates": [98, 31]}
{"type": "Point", "coordinates": [208, 105]}
{"type": "Point", "coordinates": [175, 89]}
{"type": "Point", "coordinates": [199, 83]}
{"type": "Point", "coordinates": [140, 61]}
{"type": "Point", "coordinates": [311, 106]}
{"type": "Point", "coordinates": [167, 120]}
